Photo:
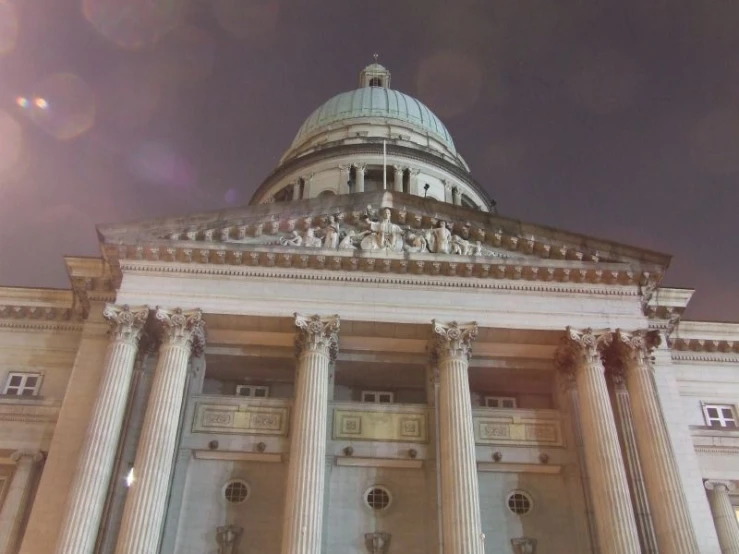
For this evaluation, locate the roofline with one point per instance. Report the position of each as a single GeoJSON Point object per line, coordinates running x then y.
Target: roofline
{"type": "Point", "coordinates": [372, 146]}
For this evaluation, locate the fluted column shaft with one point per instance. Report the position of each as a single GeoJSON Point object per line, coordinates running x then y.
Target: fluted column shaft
{"type": "Point", "coordinates": [581, 354]}
{"type": "Point", "coordinates": [456, 196]}
{"type": "Point", "coordinates": [16, 500]}
{"type": "Point", "coordinates": [143, 515]}
{"type": "Point", "coordinates": [462, 531]}
{"type": "Point", "coordinates": [317, 344]}
{"type": "Point", "coordinates": [574, 399]}
{"type": "Point", "coordinates": [296, 190]}
{"type": "Point", "coordinates": [672, 523]}
{"type": "Point", "coordinates": [724, 516]}
{"type": "Point", "coordinates": [359, 172]}
{"type": "Point", "coordinates": [624, 416]}
{"type": "Point", "coordinates": [87, 494]}
{"type": "Point", "coordinates": [398, 183]}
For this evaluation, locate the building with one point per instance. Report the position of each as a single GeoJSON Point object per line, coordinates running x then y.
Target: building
{"type": "Point", "coordinates": [367, 358]}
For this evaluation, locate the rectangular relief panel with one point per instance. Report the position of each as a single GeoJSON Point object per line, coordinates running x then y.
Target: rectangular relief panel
{"type": "Point", "coordinates": [380, 425]}
{"type": "Point", "coordinates": [517, 428]}
{"type": "Point", "coordinates": [244, 418]}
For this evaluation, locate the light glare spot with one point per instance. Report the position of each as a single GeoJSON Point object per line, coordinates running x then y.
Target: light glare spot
{"type": "Point", "coordinates": [21, 102]}
{"type": "Point", "coordinates": [40, 103]}
{"type": "Point", "coordinates": [130, 478]}
{"type": "Point", "coordinates": [64, 106]}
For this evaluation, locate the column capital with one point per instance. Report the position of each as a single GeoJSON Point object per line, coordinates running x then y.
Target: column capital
{"type": "Point", "coordinates": [452, 340]}
{"type": "Point", "coordinates": [581, 348]}
{"type": "Point", "coordinates": [27, 457]}
{"type": "Point", "coordinates": [126, 323]}
{"type": "Point", "coordinates": [635, 348]}
{"type": "Point", "coordinates": [317, 333]}
{"type": "Point", "coordinates": [398, 168]}
{"type": "Point", "coordinates": [414, 171]}
{"type": "Point", "coordinates": [183, 329]}
{"type": "Point", "coordinates": [718, 484]}
{"type": "Point", "coordinates": [360, 167]}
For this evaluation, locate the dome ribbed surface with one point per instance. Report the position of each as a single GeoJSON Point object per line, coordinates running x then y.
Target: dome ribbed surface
{"type": "Point", "coordinates": [374, 102]}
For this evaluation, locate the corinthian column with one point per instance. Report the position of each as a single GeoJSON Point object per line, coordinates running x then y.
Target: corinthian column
{"type": "Point", "coordinates": [451, 348]}
{"type": "Point", "coordinates": [143, 516]}
{"type": "Point", "coordinates": [625, 421]}
{"type": "Point", "coordinates": [316, 342]}
{"type": "Point", "coordinates": [16, 501]}
{"type": "Point", "coordinates": [580, 356]}
{"type": "Point", "coordinates": [672, 523]}
{"type": "Point", "coordinates": [724, 517]}
{"type": "Point", "coordinates": [87, 494]}
{"type": "Point", "coordinates": [359, 173]}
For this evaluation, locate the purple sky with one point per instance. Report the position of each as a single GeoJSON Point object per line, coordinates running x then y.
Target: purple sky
{"type": "Point", "coordinates": [618, 119]}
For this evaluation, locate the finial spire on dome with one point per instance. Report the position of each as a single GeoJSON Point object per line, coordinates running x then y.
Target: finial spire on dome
{"type": "Point", "coordinates": [374, 75]}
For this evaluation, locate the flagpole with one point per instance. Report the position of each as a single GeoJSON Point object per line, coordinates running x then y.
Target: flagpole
{"type": "Point", "coordinates": [384, 165]}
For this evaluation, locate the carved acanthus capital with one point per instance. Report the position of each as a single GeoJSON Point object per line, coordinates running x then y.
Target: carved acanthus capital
{"type": "Point", "coordinates": [452, 340]}
{"type": "Point", "coordinates": [581, 349]}
{"type": "Point", "coordinates": [21, 457]}
{"type": "Point", "coordinates": [635, 349]}
{"type": "Point", "coordinates": [126, 323]}
{"type": "Point", "coordinates": [719, 485]}
{"type": "Point", "coordinates": [359, 168]}
{"type": "Point", "coordinates": [183, 329]}
{"type": "Point", "coordinates": [316, 333]}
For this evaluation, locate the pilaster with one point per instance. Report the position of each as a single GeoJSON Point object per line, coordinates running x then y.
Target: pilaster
{"type": "Point", "coordinates": [724, 516]}
{"type": "Point", "coordinates": [16, 500]}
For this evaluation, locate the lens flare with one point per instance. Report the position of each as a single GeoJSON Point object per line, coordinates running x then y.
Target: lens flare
{"type": "Point", "coordinates": [8, 27]}
{"type": "Point", "coordinates": [185, 56]}
{"type": "Point", "coordinates": [21, 102]}
{"type": "Point", "coordinates": [158, 163]}
{"type": "Point", "coordinates": [11, 144]}
{"type": "Point", "coordinates": [132, 24]}
{"type": "Point", "coordinates": [63, 106]}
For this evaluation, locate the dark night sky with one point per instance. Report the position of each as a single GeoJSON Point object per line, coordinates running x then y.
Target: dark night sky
{"type": "Point", "coordinates": [614, 119]}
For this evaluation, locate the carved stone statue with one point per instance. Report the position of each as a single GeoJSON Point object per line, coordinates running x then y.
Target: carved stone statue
{"type": "Point", "coordinates": [331, 233]}
{"type": "Point", "coordinates": [383, 234]}
{"type": "Point", "coordinates": [227, 537]}
{"type": "Point", "coordinates": [311, 240]}
{"type": "Point", "coordinates": [377, 543]}
{"type": "Point", "coordinates": [293, 240]}
{"type": "Point", "coordinates": [347, 243]}
{"type": "Point", "coordinates": [439, 240]}
{"type": "Point", "coordinates": [524, 545]}
{"type": "Point", "coordinates": [415, 243]}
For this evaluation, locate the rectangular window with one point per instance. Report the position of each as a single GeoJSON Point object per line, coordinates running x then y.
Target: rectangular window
{"type": "Point", "coordinates": [720, 415]}
{"type": "Point", "coordinates": [378, 397]}
{"type": "Point", "coordinates": [252, 391]}
{"type": "Point", "coordinates": [22, 384]}
{"type": "Point", "coordinates": [500, 402]}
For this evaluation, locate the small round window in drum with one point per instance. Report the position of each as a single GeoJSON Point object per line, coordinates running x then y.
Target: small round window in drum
{"type": "Point", "coordinates": [520, 503]}
{"type": "Point", "coordinates": [236, 491]}
{"type": "Point", "coordinates": [378, 498]}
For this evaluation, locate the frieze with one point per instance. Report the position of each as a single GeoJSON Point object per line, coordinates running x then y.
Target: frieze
{"type": "Point", "coordinates": [380, 425]}
{"type": "Point", "coordinates": [247, 418]}
{"type": "Point", "coordinates": [28, 414]}
{"type": "Point", "coordinates": [516, 430]}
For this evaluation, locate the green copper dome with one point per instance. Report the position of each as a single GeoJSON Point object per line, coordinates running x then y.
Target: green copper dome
{"type": "Point", "coordinates": [374, 101]}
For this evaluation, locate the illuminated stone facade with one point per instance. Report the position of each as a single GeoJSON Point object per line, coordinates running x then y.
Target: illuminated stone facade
{"type": "Point", "coordinates": [365, 370]}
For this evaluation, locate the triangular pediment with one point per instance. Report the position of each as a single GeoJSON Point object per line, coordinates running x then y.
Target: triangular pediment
{"type": "Point", "coordinates": [406, 233]}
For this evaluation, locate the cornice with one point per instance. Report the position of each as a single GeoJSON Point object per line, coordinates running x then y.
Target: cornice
{"type": "Point", "coordinates": [39, 318]}
{"type": "Point", "coordinates": [497, 279]}
{"type": "Point", "coordinates": [716, 357]}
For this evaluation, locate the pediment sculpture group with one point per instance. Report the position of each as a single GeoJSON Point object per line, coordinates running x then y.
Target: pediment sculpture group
{"type": "Point", "coordinates": [378, 232]}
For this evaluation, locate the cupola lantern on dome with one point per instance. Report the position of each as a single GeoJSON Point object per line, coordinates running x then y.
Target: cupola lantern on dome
{"type": "Point", "coordinates": [374, 75]}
